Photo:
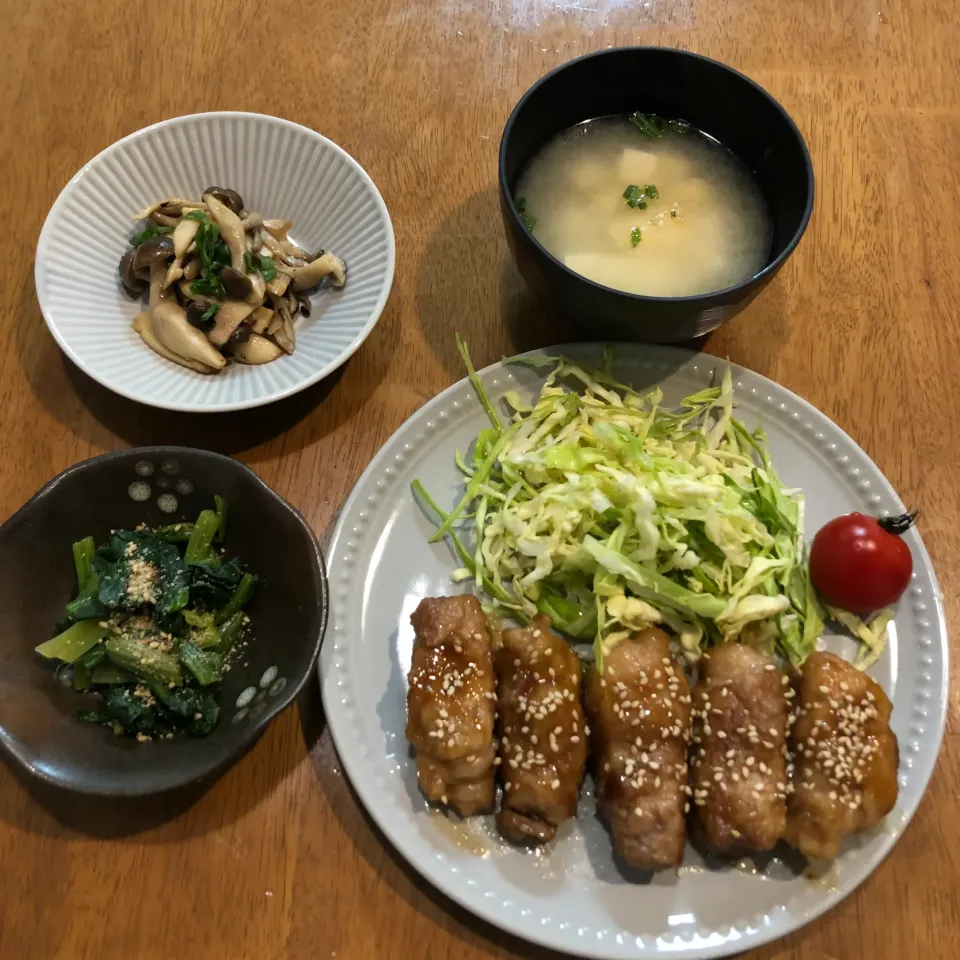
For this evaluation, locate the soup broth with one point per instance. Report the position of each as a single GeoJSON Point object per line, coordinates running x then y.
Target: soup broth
{"type": "Point", "coordinates": [671, 215]}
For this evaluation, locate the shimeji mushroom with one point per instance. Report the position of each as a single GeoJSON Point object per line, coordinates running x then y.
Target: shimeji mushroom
{"type": "Point", "coordinates": [152, 256]}
{"type": "Point", "coordinates": [132, 281]}
{"type": "Point", "coordinates": [205, 310]}
{"type": "Point", "coordinates": [328, 265]}
{"type": "Point", "coordinates": [229, 198]}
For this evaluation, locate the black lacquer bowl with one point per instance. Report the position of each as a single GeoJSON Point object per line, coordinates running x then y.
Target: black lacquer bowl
{"type": "Point", "coordinates": [672, 83]}
{"type": "Point", "coordinates": [156, 486]}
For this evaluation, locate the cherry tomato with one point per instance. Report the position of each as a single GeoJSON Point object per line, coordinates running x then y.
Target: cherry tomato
{"type": "Point", "coordinates": [859, 563]}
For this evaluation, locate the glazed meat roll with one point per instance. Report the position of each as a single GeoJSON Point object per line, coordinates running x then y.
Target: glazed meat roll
{"type": "Point", "coordinates": [543, 737]}
{"type": "Point", "coordinates": [739, 772]}
{"type": "Point", "coordinates": [845, 753]}
{"type": "Point", "coordinates": [639, 714]}
{"type": "Point", "coordinates": [451, 704]}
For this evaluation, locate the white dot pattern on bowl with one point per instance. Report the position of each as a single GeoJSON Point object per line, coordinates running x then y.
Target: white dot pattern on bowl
{"type": "Point", "coordinates": [139, 490]}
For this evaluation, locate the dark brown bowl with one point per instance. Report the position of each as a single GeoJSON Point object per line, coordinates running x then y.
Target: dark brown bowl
{"type": "Point", "coordinates": [38, 725]}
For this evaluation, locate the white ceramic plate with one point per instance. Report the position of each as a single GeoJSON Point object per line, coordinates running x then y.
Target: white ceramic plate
{"type": "Point", "coordinates": [572, 896]}
{"type": "Point", "coordinates": [281, 170]}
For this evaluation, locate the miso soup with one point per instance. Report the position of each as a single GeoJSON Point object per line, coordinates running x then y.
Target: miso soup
{"type": "Point", "coordinates": [647, 206]}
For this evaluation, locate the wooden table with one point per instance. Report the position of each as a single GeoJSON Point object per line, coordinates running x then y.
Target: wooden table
{"type": "Point", "coordinates": [276, 859]}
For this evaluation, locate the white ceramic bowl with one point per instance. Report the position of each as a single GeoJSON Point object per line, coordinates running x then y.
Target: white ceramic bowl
{"type": "Point", "coordinates": [281, 170]}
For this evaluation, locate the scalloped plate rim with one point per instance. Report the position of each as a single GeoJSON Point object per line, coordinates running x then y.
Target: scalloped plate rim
{"type": "Point", "coordinates": [467, 895]}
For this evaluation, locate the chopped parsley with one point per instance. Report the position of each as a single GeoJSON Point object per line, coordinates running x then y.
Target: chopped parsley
{"type": "Point", "coordinates": [636, 235]}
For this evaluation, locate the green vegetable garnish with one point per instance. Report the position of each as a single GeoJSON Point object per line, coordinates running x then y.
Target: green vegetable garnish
{"type": "Point", "coordinates": [608, 512]}
{"type": "Point", "coordinates": [636, 235]}
{"type": "Point", "coordinates": [528, 221]}
{"type": "Point", "coordinates": [636, 196]}
{"type": "Point", "coordinates": [157, 616]}
{"type": "Point", "coordinates": [151, 231]}
{"type": "Point", "coordinates": [652, 126]}
{"type": "Point", "coordinates": [268, 268]}
{"type": "Point", "coordinates": [214, 256]}
{"type": "Point", "coordinates": [248, 264]}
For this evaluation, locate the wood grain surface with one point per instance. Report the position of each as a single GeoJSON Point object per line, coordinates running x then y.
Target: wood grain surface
{"type": "Point", "coordinates": [277, 859]}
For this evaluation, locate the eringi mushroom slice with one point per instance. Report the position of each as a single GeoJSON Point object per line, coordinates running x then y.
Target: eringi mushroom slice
{"type": "Point", "coordinates": [256, 349]}
{"type": "Point", "coordinates": [146, 325]}
{"type": "Point", "coordinates": [286, 336]}
{"type": "Point", "coordinates": [294, 255]}
{"type": "Point", "coordinates": [278, 285]}
{"type": "Point", "coordinates": [329, 265]}
{"type": "Point", "coordinates": [277, 228]}
{"type": "Point", "coordinates": [260, 319]}
{"type": "Point", "coordinates": [270, 245]}
{"type": "Point", "coordinates": [169, 323]}
{"type": "Point", "coordinates": [230, 315]}
{"type": "Point", "coordinates": [191, 269]}
{"type": "Point", "coordinates": [173, 274]}
{"type": "Point", "coordinates": [231, 229]}
{"type": "Point", "coordinates": [227, 197]}
{"type": "Point", "coordinates": [258, 291]}
{"type": "Point", "coordinates": [183, 236]}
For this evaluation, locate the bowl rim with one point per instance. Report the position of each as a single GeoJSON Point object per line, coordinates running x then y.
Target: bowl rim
{"type": "Point", "coordinates": [90, 369]}
{"type": "Point", "coordinates": [290, 692]}
{"type": "Point", "coordinates": [642, 298]}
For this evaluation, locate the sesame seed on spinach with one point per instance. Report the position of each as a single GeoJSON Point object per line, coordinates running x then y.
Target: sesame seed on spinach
{"type": "Point", "coordinates": [157, 617]}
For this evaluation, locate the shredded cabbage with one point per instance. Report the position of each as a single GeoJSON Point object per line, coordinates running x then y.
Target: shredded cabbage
{"type": "Point", "coordinates": [609, 513]}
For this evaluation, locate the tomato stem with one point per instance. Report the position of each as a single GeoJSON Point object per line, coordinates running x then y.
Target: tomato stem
{"type": "Point", "coordinates": [901, 524]}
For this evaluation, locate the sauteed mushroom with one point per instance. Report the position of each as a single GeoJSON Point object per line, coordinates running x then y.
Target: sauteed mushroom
{"type": "Point", "coordinates": [224, 283]}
